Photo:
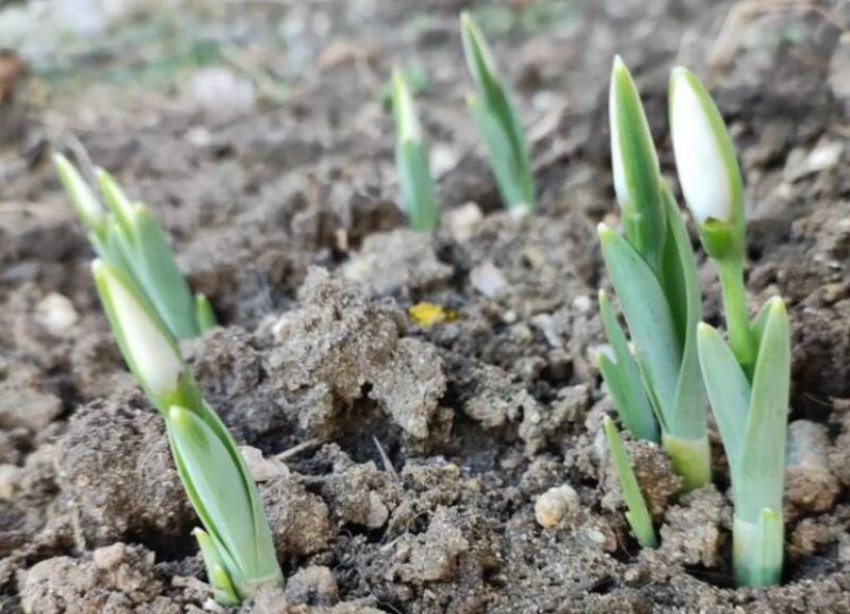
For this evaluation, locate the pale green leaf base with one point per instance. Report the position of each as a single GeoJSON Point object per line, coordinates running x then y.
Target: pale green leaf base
{"type": "Point", "coordinates": [757, 549]}
{"type": "Point", "coordinates": [691, 460]}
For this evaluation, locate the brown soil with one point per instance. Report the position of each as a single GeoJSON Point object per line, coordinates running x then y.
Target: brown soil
{"type": "Point", "coordinates": [284, 214]}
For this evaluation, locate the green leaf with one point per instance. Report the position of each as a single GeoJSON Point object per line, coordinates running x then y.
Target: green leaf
{"type": "Point", "coordinates": [680, 281]}
{"type": "Point", "coordinates": [85, 203]}
{"type": "Point", "coordinates": [204, 313]}
{"type": "Point", "coordinates": [407, 126]}
{"type": "Point", "coordinates": [497, 122]}
{"type": "Point", "coordinates": [635, 164]}
{"type": "Point", "coordinates": [758, 324]}
{"type": "Point", "coordinates": [624, 379]}
{"type": "Point", "coordinates": [218, 489]}
{"type": "Point", "coordinates": [638, 515]}
{"type": "Point", "coordinates": [223, 589]}
{"type": "Point", "coordinates": [648, 317]}
{"type": "Point", "coordinates": [417, 186]}
{"type": "Point", "coordinates": [479, 58]}
{"type": "Point", "coordinates": [762, 466]}
{"type": "Point", "coordinates": [729, 392]}
{"type": "Point", "coordinates": [757, 548]}
{"type": "Point", "coordinates": [157, 272]}
{"type": "Point", "coordinates": [115, 199]}
{"type": "Point", "coordinates": [514, 188]}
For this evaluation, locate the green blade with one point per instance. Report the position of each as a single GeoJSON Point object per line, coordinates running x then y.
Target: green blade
{"type": "Point", "coordinates": [514, 187]}
{"type": "Point", "coordinates": [729, 392]}
{"type": "Point", "coordinates": [85, 203]}
{"type": "Point", "coordinates": [681, 286]}
{"type": "Point", "coordinates": [223, 589]}
{"type": "Point", "coordinates": [638, 514]}
{"type": "Point", "coordinates": [758, 324]}
{"type": "Point", "coordinates": [497, 121]}
{"type": "Point", "coordinates": [624, 380]}
{"type": "Point", "coordinates": [417, 186]}
{"type": "Point", "coordinates": [635, 165]}
{"type": "Point", "coordinates": [157, 272]}
{"type": "Point", "coordinates": [115, 199]}
{"type": "Point", "coordinates": [762, 467]}
{"type": "Point", "coordinates": [757, 549]}
{"type": "Point", "coordinates": [407, 126]}
{"type": "Point", "coordinates": [204, 313]}
{"type": "Point", "coordinates": [648, 317]}
{"type": "Point", "coordinates": [217, 490]}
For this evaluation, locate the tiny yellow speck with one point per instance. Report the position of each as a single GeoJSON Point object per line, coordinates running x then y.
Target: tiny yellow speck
{"type": "Point", "coordinates": [429, 314]}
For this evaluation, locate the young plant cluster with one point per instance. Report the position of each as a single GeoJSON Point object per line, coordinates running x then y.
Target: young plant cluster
{"type": "Point", "coordinates": [149, 307]}
{"type": "Point", "coordinates": [660, 370]}
{"type": "Point", "coordinates": [660, 381]}
{"type": "Point", "coordinates": [128, 237]}
{"type": "Point", "coordinates": [498, 126]}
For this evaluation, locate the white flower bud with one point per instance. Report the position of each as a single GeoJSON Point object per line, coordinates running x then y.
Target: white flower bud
{"type": "Point", "coordinates": [705, 156]}
{"type": "Point", "coordinates": [148, 347]}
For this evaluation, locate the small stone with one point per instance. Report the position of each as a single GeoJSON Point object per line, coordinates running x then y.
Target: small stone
{"type": "Point", "coordinates": [27, 408]}
{"type": "Point", "coordinates": [553, 505]}
{"type": "Point", "coordinates": [443, 159]}
{"type": "Point", "coordinates": [216, 88]}
{"type": "Point", "coordinates": [546, 324]}
{"type": "Point", "coordinates": [263, 469]}
{"type": "Point", "coordinates": [109, 557]}
{"type": "Point", "coordinates": [582, 303]}
{"type": "Point", "coordinates": [488, 280]}
{"type": "Point", "coordinates": [378, 512]}
{"type": "Point", "coordinates": [463, 221]}
{"type": "Point", "coordinates": [535, 256]}
{"type": "Point", "coordinates": [809, 484]}
{"type": "Point", "coordinates": [56, 314]}
{"type": "Point", "coordinates": [10, 478]}
{"type": "Point", "coordinates": [825, 155]}
{"type": "Point", "coordinates": [314, 585]}
{"type": "Point", "coordinates": [521, 333]}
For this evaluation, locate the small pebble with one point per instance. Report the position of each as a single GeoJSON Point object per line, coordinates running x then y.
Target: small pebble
{"type": "Point", "coordinates": [464, 221]}
{"type": "Point", "coordinates": [553, 505]}
{"type": "Point", "coordinates": [314, 585]}
{"type": "Point", "coordinates": [56, 314]}
{"type": "Point", "coordinates": [109, 557]}
{"type": "Point", "coordinates": [378, 512]}
{"type": "Point", "coordinates": [263, 469]}
{"type": "Point", "coordinates": [10, 478]}
{"type": "Point", "coordinates": [488, 280]}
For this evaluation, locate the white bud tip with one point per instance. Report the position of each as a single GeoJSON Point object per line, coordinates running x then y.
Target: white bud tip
{"type": "Point", "coordinates": [701, 165]}
{"type": "Point", "coordinates": [151, 350]}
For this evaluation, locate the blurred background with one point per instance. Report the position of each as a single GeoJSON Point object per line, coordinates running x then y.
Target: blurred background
{"type": "Point", "coordinates": [273, 115]}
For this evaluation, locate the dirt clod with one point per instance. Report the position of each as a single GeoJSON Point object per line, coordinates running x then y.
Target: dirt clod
{"type": "Point", "coordinates": [116, 474]}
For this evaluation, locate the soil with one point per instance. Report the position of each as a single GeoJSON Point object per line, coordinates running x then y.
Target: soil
{"type": "Point", "coordinates": [401, 461]}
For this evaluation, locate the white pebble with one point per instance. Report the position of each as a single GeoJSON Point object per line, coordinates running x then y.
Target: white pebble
{"type": "Point", "coordinates": [551, 507]}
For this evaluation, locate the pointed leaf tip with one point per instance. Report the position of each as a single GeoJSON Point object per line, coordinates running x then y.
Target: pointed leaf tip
{"type": "Point", "coordinates": [604, 231]}
{"type": "Point", "coordinates": [618, 63]}
{"type": "Point", "coordinates": [704, 329]}
{"type": "Point", "coordinates": [179, 416]}
{"type": "Point", "coordinates": [777, 306]}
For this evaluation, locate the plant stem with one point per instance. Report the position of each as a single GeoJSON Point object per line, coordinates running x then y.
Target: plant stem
{"type": "Point", "coordinates": [757, 549]}
{"type": "Point", "coordinates": [731, 273]}
{"type": "Point", "coordinates": [691, 459]}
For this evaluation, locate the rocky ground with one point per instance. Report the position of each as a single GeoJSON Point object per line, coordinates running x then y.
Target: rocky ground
{"type": "Point", "coordinates": [407, 466]}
